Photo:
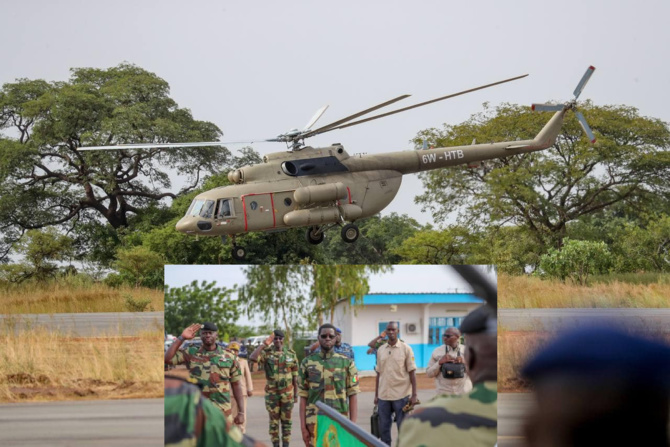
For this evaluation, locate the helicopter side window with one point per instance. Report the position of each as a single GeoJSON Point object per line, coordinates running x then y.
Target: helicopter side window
{"type": "Point", "coordinates": [196, 208]}
{"type": "Point", "coordinates": [253, 205]}
{"type": "Point", "coordinates": [224, 209]}
{"type": "Point", "coordinates": [207, 209]}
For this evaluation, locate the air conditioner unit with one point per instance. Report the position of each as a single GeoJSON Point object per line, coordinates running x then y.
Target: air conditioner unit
{"type": "Point", "coordinates": [412, 328]}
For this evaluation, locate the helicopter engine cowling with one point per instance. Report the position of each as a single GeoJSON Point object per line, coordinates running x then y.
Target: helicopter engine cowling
{"type": "Point", "coordinates": [320, 216]}
{"type": "Point", "coordinates": [320, 193]}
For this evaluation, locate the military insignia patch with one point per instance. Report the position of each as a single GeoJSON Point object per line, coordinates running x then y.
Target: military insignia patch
{"type": "Point", "coordinates": [354, 380]}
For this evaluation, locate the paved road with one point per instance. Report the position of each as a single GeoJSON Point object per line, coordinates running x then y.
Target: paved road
{"type": "Point", "coordinates": [652, 320]}
{"type": "Point", "coordinates": [512, 408]}
{"type": "Point", "coordinates": [83, 423]}
{"type": "Point", "coordinates": [87, 324]}
{"type": "Point", "coordinates": [257, 425]}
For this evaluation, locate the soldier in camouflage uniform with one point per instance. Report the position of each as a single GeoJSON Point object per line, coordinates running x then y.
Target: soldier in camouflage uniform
{"type": "Point", "coordinates": [468, 420]}
{"type": "Point", "coordinates": [192, 421]}
{"type": "Point", "coordinates": [327, 377]}
{"type": "Point", "coordinates": [281, 390]}
{"type": "Point", "coordinates": [213, 368]}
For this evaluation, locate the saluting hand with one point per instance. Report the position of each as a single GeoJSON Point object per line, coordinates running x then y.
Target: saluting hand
{"type": "Point", "coordinates": [189, 332]}
{"type": "Point", "coordinates": [383, 334]}
{"type": "Point", "coordinates": [268, 341]}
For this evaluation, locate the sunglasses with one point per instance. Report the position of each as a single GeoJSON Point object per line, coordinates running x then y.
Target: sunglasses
{"type": "Point", "coordinates": [328, 336]}
{"type": "Point", "coordinates": [279, 338]}
{"type": "Point", "coordinates": [448, 335]}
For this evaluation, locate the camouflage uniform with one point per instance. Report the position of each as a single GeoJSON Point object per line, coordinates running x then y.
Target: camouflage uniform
{"type": "Point", "coordinates": [185, 410]}
{"type": "Point", "coordinates": [468, 420]}
{"type": "Point", "coordinates": [214, 371]}
{"type": "Point", "coordinates": [280, 367]}
{"type": "Point", "coordinates": [329, 378]}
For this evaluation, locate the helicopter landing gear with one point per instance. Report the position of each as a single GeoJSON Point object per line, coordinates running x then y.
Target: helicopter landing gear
{"type": "Point", "coordinates": [314, 235]}
{"type": "Point", "coordinates": [238, 252]}
{"type": "Point", "coordinates": [350, 233]}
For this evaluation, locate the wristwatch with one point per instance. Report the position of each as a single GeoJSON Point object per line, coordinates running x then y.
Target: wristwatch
{"type": "Point", "coordinates": [180, 338]}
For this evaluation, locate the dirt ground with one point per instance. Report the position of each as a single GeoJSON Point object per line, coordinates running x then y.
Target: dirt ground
{"type": "Point", "coordinates": [365, 383]}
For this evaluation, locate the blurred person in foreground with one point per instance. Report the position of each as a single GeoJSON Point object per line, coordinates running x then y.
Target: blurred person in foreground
{"type": "Point", "coordinates": [600, 386]}
{"type": "Point", "coordinates": [281, 389]}
{"type": "Point", "coordinates": [245, 382]}
{"type": "Point", "coordinates": [466, 420]}
{"type": "Point", "coordinates": [328, 377]}
{"type": "Point", "coordinates": [194, 421]}
{"type": "Point", "coordinates": [452, 351]}
{"type": "Point", "coordinates": [212, 367]}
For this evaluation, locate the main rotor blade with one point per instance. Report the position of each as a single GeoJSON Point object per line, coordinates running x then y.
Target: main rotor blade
{"type": "Point", "coordinates": [331, 126]}
{"type": "Point", "coordinates": [585, 126]}
{"type": "Point", "coordinates": [160, 145]}
{"type": "Point", "coordinates": [315, 118]}
{"type": "Point", "coordinates": [546, 107]}
{"type": "Point", "coordinates": [428, 102]}
{"type": "Point", "coordinates": [584, 80]}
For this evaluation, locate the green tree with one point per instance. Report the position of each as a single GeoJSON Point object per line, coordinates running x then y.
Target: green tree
{"type": "Point", "coordinates": [45, 180]}
{"type": "Point", "coordinates": [544, 191]}
{"type": "Point", "coordinates": [576, 260]}
{"type": "Point", "coordinates": [198, 303]}
{"type": "Point", "coordinates": [296, 296]}
{"type": "Point", "coordinates": [448, 246]}
{"type": "Point", "coordinates": [644, 247]}
{"type": "Point", "coordinates": [140, 266]}
{"type": "Point", "coordinates": [41, 250]}
{"type": "Point", "coordinates": [512, 249]}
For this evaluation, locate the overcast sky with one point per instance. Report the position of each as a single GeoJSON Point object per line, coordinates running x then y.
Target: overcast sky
{"type": "Point", "coordinates": [257, 69]}
{"type": "Point", "coordinates": [403, 279]}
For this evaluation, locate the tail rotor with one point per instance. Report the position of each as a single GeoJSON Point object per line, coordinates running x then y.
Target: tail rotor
{"type": "Point", "coordinates": [572, 105]}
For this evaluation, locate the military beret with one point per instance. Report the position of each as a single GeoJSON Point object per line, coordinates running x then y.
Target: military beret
{"type": "Point", "coordinates": [479, 320]}
{"type": "Point", "coordinates": [598, 351]}
{"type": "Point", "coordinates": [234, 346]}
{"type": "Point", "coordinates": [279, 333]}
{"type": "Point", "coordinates": [209, 327]}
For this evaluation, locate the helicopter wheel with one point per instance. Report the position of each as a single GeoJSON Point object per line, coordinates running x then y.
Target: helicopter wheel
{"type": "Point", "coordinates": [314, 236]}
{"type": "Point", "coordinates": [350, 233]}
{"type": "Point", "coordinates": [239, 253]}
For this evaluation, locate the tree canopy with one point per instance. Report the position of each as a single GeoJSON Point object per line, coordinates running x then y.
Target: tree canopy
{"type": "Point", "coordinates": [45, 180]}
{"type": "Point", "coordinates": [544, 191]}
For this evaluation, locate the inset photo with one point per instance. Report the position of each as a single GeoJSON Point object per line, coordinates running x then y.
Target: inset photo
{"type": "Point", "coordinates": [330, 355]}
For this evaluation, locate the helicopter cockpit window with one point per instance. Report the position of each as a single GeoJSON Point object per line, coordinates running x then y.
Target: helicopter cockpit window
{"type": "Point", "coordinates": [224, 209]}
{"type": "Point", "coordinates": [195, 208]}
{"type": "Point", "coordinates": [208, 209]}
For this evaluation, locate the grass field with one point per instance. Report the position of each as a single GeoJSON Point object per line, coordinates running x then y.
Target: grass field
{"type": "Point", "coordinates": [45, 366]}
{"type": "Point", "coordinates": [521, 292]}
{"type": "Point", "coordinates": [71, 295]}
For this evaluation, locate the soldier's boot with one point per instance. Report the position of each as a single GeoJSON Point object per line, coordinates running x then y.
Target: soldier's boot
{"type": "Point", "coordinates": [284, 444]}
{"type": "Point", "coordinates": [275, 443]}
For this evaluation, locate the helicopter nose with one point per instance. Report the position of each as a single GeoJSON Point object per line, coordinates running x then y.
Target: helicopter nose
{"type": "Point", "coordinates": [186, 225]}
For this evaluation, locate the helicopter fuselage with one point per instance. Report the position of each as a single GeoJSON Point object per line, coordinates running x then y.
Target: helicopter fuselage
{"type": "Point", "coordinates": [320, 186]}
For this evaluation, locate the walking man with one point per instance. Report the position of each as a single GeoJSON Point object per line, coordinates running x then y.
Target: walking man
{"type": "Point", "coordinates": [326, 377]}
{"type": "Point", "coordinates": [214, 369]}
{"type": "Point", "coordinates": [246, 382]}
{"type": "Point", "coordinates": [281, 391]}
{"type": "Point", "coordinates": [452, 351]}
{"type": "Point", "coordinates": [396, 381]}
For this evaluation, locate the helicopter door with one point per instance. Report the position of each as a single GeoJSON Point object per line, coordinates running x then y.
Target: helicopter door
{"type": "Point", "coordinates": [259, 213]}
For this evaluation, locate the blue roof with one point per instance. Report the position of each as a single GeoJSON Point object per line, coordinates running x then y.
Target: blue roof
{"type": "Point", "coordinates": [418, 298]}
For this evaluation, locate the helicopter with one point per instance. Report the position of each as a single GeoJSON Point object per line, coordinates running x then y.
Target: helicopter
{"type": "Point", "coordinates": [321, 188]}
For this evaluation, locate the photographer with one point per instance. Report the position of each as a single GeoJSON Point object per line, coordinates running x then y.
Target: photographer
{"type": "Point", "coordinates": [449, 380]}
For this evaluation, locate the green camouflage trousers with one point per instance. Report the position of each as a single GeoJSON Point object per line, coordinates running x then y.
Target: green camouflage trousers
{"type": "Point", "coordinates": [279, 406]}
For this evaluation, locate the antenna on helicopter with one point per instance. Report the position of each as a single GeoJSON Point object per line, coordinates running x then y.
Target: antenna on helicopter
{"type": "Point", "coordinates": [572, 105]}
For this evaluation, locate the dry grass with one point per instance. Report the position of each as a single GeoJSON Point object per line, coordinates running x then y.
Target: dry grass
{"type": "Point", "coordinates": [521, 292]}
{"type": "Point", "coordinates": [71, 296]}
{"type": "Point", "coordinates": [41, 365]}
{"type": "Point", "coordinates": [516, 348]}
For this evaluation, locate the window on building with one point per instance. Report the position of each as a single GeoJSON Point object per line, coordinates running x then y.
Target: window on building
{"type": "Point", "coordinates": [437, 327]}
